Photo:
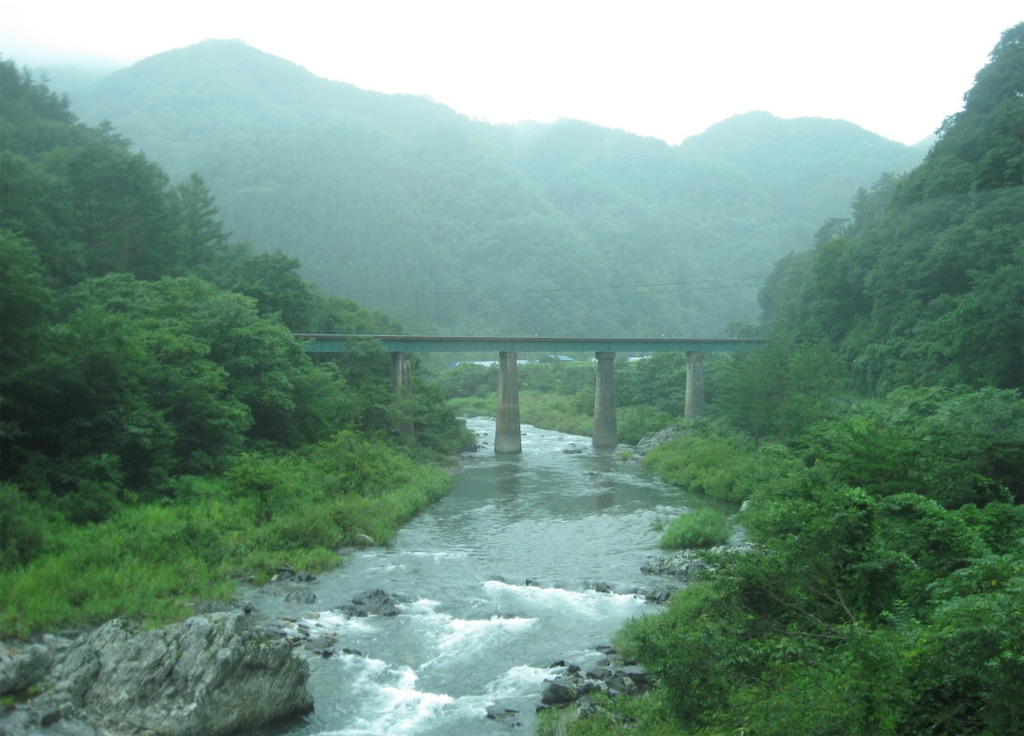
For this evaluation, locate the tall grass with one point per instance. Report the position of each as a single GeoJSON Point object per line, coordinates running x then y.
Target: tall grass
{"type": "Point", "coordinates": [699, 528]}
{"type": "Point", "coordinates": [156, 562]}
{"type": "Point", "coordinates": [713, 464]}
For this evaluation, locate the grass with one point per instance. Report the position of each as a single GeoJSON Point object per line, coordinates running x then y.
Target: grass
{"type": "Point", "coordinates": [713, 464]}
{"type": "Point", "coordinates": [700, 528]}
{"type": "Point", "coordinates": [155, 562]}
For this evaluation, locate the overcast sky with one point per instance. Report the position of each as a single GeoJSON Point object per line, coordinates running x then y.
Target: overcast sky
{"type": "Point", "coordinates": [664, 68]}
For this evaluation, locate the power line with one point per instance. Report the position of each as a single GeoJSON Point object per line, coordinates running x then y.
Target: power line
{"type": "Point", "coordinates": [744, 281]}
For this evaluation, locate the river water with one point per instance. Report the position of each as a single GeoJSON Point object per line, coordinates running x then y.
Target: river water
{"type": "Point", "coordinates": [501, 581]}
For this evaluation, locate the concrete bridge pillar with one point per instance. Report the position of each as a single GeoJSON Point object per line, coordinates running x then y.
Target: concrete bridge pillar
{"type": "Point", "coordinates": [507, 434]}
{"type": "Point", "coordinates": [694, 406]}
{"type": "Point", "coordinates": [401, 385]}
{"type": "Point", "coordinates": [606, 431]}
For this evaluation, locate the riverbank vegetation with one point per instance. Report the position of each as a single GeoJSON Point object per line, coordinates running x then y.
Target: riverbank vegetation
{"type": "Point", "coordinates": [163, 434]}
{"type": "Point", "coordinates": [878, 440]}
{"type": "Point", "coordinates": [696, 529]}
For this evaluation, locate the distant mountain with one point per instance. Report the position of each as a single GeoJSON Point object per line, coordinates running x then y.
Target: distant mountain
{"type": "Point", "coordinates": [810, 167]}
{"type": "Point", "coordinates": [172, 103]}
{"type": "Point", "coordinates": [460, 226]}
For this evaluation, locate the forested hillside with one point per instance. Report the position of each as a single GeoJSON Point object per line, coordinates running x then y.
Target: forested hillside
{"type": "Point", "coordinates": [162, 431]}
{"type": "Point", "coordinates": [459, 226]}
{"type": "Point", "coordinates": [923, 285]}
{"type": "Point", "coordinates": [877, 445]}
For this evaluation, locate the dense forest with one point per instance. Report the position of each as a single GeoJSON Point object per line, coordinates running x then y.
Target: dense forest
{"type": "Point", "coordinates": [461, 227]}
{"type": "Point", "coordinates": [162, 431]}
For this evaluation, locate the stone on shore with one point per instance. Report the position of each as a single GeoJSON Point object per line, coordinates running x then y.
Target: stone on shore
{"type": "Point", "coordinates": [210, 674]}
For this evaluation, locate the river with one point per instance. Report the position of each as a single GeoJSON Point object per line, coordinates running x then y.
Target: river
{"type": "Point", "coordinates": [499, 580]}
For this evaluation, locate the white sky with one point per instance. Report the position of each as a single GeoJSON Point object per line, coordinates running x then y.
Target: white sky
{"type": "Point", "coordinates": [660, 68]}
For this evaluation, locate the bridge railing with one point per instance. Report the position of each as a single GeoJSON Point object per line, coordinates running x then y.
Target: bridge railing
{"type": "Point", "coordinates": [328, 343]}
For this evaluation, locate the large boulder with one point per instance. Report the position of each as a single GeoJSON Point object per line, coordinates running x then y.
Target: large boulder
{"type": "Point", "coordinates": [655, 439]}
{"type": "Point", "coordinates": [211, 674]}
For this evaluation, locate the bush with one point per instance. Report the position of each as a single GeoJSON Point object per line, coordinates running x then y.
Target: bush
{"type": "Point", "coordinates": [154, 561]}
{"type": "Point", "coordinates": [711, 464]}
{"type": "Point", "coordinates": [698, 528]}
{"type": "Point", "coordinates": [21, 528]}
{"type": "Point", "coordinates": [560, 413]}
{"type": "Point", "coordinates": [636, 422]}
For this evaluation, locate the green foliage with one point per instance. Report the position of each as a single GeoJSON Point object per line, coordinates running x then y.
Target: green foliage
{"type": "Point", "coordinates": [657, 382]}
{"type": "Point", "coordinates": [439, 431]}
{"type": "Point", "coordinates": [468, 380]}
{"type": "Point", "coordinates": [552, 411]}
{"type": "Point", "coordinates": [160, 423]}
{"type": "Point", "coordinates": [709, 463]}
{"type": "Point", "coordinates": [695, 529]}
{"type": "Point", "coordinates": [924, 287]}
{"type": "Point", "coordinates": [636, 422]}
{"type": "Point", "coordinates": [846, 615]}
{"type": "Point", "coordinates": [646, 714]}
{"type": "Point", "coordinates": [976, 624]}
{"type": "Point", "coordinates": [22, 536]}
{"type": "Point", "coordinates": [778, 390]}
{"type": "Point", "coordinates": [273, 280]}
{"type": "Point", "coordinates": [556, 377]}
{"type": "Point", "coordinates": [474, 406]}
{"type": "Point", "coordinates": [956, 445]}
{"type": "Point", "coordinates": [153, 561]}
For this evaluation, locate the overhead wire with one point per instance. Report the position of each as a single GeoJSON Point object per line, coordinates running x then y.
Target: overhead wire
{"type": "Point", "coordinates": [664, 287]}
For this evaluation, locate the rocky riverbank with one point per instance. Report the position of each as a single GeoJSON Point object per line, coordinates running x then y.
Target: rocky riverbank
{"type": "Point", "coordinates": [231, 671]}
{"type": "Point", "coordinates": [214, 674]}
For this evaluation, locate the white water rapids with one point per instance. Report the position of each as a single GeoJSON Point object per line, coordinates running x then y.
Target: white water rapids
{"type": "Point", "coordinates": [499, 579]}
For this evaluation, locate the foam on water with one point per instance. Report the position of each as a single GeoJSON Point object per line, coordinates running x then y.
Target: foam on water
{"type": "Point", "coordinates": [398, 707]}
{"type": "Point", "coordinates": [336, 623]}
{"type": "Point", "coordinates": [473, 634]}
{"type": "Point", "coordinates": [543, 601]}
{"type": "Point", "coordinates": [515, 680]}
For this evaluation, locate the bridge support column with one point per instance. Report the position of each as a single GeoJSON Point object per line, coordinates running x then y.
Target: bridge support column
{"type": "Point", "coordinates": [507, 434]}
{"type": "Point", "coordinates": [606, 431]}
{"type": "Point", "coordinates": [694, 406]}
{"type": "Point", "coordinates": [401, 385]}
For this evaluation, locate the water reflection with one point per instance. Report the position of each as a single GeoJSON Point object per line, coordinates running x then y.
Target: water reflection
{"type": "Point", "coordinates": [508, 484]}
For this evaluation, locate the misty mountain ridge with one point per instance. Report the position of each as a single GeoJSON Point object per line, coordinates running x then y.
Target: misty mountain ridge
{"type": "Point", "coordinates": [460, 226]}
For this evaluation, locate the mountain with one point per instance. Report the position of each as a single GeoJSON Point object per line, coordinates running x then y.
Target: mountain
{"type": "Point", "coordinates": [807, 165]}
{"type": "Point", "coordinates": [460, 226]}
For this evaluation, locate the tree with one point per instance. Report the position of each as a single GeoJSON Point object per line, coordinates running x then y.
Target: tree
{"type": "Point", "coordinates": [202, 242]}
{"type": "Point", "coordinates": [273, 280]}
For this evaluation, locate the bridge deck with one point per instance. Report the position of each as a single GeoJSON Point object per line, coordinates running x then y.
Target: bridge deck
{"type": "Point", "coordinates": [316, 343]}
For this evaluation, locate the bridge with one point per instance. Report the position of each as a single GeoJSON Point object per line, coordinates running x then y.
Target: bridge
{"type": "Point", "coordinates": [507, 435]}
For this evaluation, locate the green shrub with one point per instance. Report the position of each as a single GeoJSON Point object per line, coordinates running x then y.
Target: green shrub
{"type": "Point", "coordinates": [697, 528]}
{"type": "Point", "coordinates": [21, 528]}
{"type": "Point", "coordinates": [474, 406]}
{"type": "Point", "coordinates": [560, 413]}
{"type": "Point", "coordinates": [636, 422]}
{"type": "Point", "coordinates": [711, 464]}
